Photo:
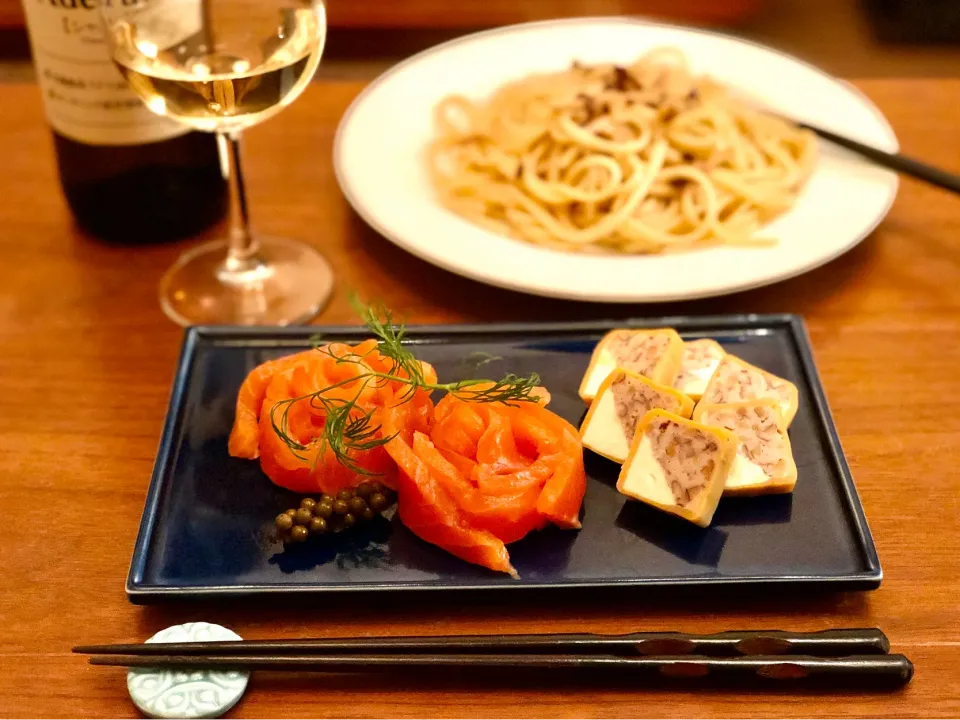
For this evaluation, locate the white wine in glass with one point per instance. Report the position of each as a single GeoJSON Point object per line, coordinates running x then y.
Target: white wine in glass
{"type": "Point", "coordinates": [221, 66]}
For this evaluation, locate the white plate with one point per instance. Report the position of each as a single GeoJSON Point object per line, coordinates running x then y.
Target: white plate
{"type": "Point", "coordinates": [378, 157]}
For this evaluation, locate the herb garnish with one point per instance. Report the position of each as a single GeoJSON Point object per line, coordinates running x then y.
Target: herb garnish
{"type": "Point", "coordinates": [350, 428]}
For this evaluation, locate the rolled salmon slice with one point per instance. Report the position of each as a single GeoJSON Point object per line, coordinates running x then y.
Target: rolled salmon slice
{"type": "Point", "coordinates": [426, 509]}
{"type": "Point", "coordinates": [244, 439]}
{"type": "Point", "coordinates": [509, 515]}
{"type": "Point", "coordinates": [563, 493]}
{"type": "Point", "coordinates": [486, 475]}
{"type": "Point", "coordinates": [425, 505]}
{"type": "Point", "coordinates": [557, 443]}
{"type": "Point", "coordinates": [278, 394]}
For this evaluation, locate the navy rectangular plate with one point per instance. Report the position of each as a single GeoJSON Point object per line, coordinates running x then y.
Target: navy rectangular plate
{"type": "Point", "coordinates": [208, 517]}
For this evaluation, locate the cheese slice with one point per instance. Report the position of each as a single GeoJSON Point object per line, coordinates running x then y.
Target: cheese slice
{"type": "Point", "coordinates": [736, 380]}
{"type": "Point", "coordinates": [764, 463]}
{"type": "Point", "coordinates": [678, 466]}
{"type": "Point", "coordinates": [655, 354]}
{"type": "Point", "coordinates": [701, 358]}
{"type": "Point", "coordinates": [623, 399]}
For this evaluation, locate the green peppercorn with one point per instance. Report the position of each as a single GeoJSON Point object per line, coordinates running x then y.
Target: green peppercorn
{"type": "Point", "coordinates": [349, 520]}
{"type": "Point", "coordinates": [318, 525]}
{"type": "Point", "coordinates": [299, 533]}
{"type": "Point", "coordinates": [326, 499]}
{"type": "Point", "coordinates": [357, 505]}
{"type": "Point", "coordinates": [376, 487]}
{"type": "Point", "coordinates": [368, 515]}
{"type": "Point", "coordinates": [302, 516]}
{"type": "Point", "coordinates": [284, 521]}
{"type": "Point", "coordinates": [364, 490]}
{"type": "Point", "coordinates": [291, 512]}
{"type": "Point", "coordinates": [340, 507]}
{"type": "Point", "coordinates": [308, 503]}
{"type": "Point", "coordinates": [378, 501]}
{"type": "Point", "coordinates": [322, 511]}
{"type": "Point", "coordinates": [344, 495]}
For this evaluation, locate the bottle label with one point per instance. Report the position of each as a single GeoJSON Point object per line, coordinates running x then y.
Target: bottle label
{"type": "Point", "coordinates": [86, 97]}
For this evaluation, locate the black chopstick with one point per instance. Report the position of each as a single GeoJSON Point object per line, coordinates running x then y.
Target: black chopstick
{"type": "Point", "coordinates": [900, 163]}
{"type": "Point", "coordinates": [825, 643]}
{"type": "Point", "coordinates": [873, 670]}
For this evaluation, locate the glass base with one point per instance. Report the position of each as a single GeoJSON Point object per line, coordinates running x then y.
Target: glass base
{"type": "Point", "coordinates": [288, 282]}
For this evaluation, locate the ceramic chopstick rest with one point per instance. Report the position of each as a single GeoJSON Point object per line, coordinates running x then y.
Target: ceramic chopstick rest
{"type": "Point", "coordinates": [175, 693]}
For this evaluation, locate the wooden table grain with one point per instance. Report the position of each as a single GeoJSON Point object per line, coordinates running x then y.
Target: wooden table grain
{"type": "Point", "coordinates": [86, 361]}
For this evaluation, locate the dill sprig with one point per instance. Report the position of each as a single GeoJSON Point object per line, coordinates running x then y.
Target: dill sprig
{"type": "Point", "coordinates": [348, 428]}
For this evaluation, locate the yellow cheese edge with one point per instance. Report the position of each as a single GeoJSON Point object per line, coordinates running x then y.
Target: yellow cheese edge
{"type": "Point", "coordinates": [667, 369]}
{"type": "Point", "coordinates": [685, 410]}
{"type": "Point", "coordinates": [780, 485]}
{"type": "Point", "coordinates": [669, 366]}
{"type": "Point", "coordinates": [706, 502]}
{"type": "Point", "coordinates": [777, 486]}
{"type": "Point", "coordinates": [788, 412]}
{"type": "Point", "coordinates": [703, 341]}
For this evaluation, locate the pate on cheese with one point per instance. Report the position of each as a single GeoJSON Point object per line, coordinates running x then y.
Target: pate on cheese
{"type": "Point", "coordinates": [736, 380]}
{"type": "Point", "coordinates": [678, 465]}
{"type": "Point", "coordinates": [764, 463]}
{"type": "Point", "coordinates": [622, 401]}
{"type": "Point", "coordinates": [656, 354]}
{"type": "Point", "coordinates": [701, 358]}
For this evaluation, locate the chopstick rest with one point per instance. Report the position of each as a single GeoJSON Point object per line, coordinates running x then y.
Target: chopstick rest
{"type": "Point", "coordinates": [170, 692]}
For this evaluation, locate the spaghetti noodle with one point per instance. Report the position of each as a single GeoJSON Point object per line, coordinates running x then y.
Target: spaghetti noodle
{"type": "Point", "coordinates": [646, 158]}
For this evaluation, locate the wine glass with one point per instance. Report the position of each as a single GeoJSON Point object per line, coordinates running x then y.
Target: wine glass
{"type": "Point", "coordinates": [221, 66]}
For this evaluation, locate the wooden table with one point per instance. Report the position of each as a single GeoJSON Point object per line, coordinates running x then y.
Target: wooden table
{"type": "Point", "coordinates": [86, 361]}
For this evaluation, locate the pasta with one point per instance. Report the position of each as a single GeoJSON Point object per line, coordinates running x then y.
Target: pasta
{"type": "Point", "coordinates": [646, 158]}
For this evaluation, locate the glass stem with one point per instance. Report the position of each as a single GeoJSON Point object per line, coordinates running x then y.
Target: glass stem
{"type": "Point", "coordinates": [242, 248]}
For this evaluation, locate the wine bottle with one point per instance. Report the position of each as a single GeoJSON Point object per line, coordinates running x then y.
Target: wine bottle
{"type": "Point", "coordinates": [129, 176]}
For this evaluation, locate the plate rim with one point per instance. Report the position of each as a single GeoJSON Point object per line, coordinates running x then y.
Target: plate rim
{"type": "Point", "coordinates": [367, 215]}
{"type": "Point", "coordinates": [139, 591]}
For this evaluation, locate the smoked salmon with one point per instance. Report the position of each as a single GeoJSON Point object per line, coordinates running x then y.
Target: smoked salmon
{"type": "Point", "coordinates": [485, 474]}
{"type": "Point", "coordinates": [286, 393]}
{"type": "Point", "coordinates": [482, 469]}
